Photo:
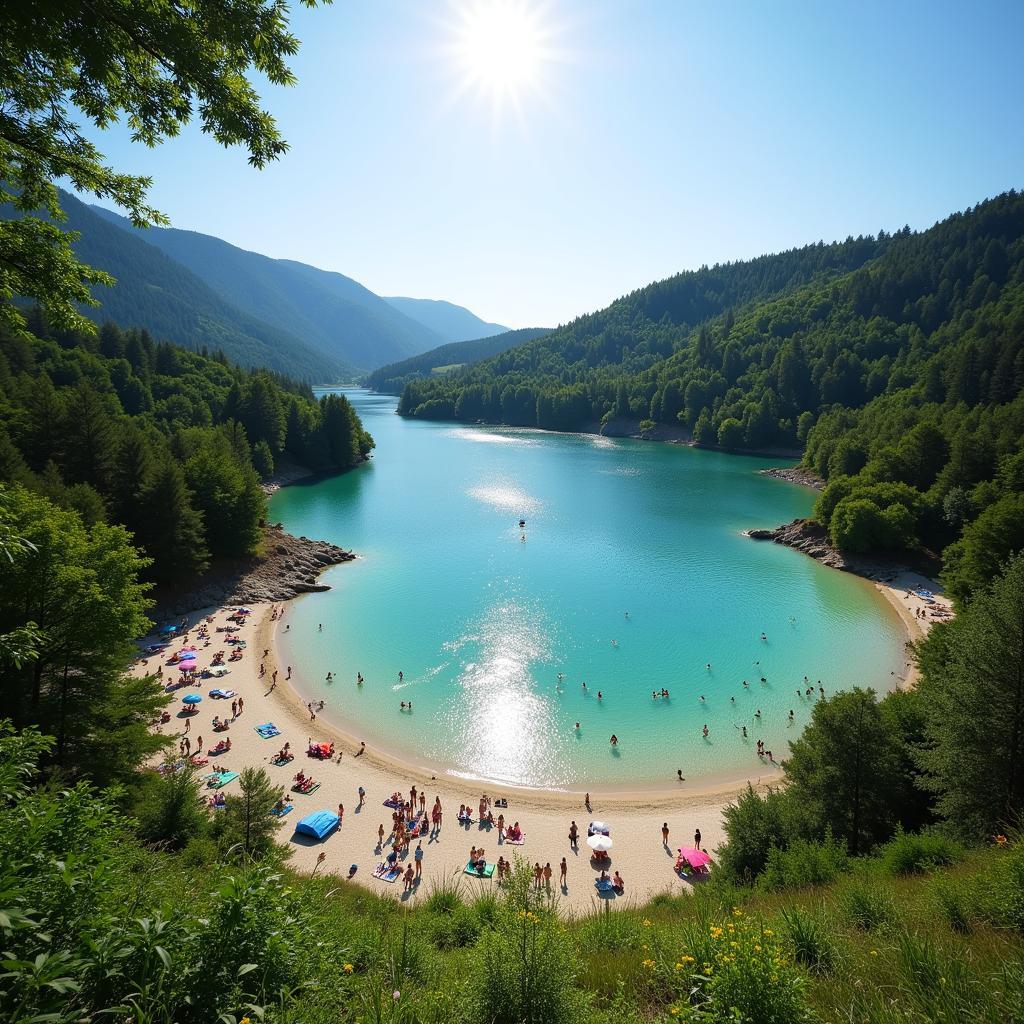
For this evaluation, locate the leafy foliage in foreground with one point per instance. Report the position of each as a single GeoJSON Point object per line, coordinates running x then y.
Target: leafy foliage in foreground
{"type": "Point", "coordinates": [93, 922]}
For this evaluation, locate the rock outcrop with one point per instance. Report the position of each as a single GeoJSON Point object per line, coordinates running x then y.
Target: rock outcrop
{"type": "Point", "coordinates": [812, 539]}
{"type": "Point", "coordinates": [795, 475]}
{"type": "Point", "coordinates": [287, 567]}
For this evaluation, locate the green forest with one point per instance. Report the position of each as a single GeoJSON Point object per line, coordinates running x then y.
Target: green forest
{"type": "Point", "coordinates": [392, 379]}
{"type": "Point", "coordinates": [894, 363]}
{"type": "Point", "coordinates": [171, 444]}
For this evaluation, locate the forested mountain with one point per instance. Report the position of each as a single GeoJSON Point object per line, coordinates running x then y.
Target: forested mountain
{"type": "Point", "coordinates": [448, 321]}
{"type": "Point", "coordinates": [333, 314]}
{"type": "Point", "coordinates": [898, 361]}
{"type": "Point", "coordinates": [392, 379]}
{"type": "Point", "coordinates": [167, 442]}
{"type": "Point", "coordinates": [159, 294]}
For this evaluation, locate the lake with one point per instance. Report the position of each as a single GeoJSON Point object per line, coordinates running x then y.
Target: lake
{"type": "Point", "coordinates": [631, 575]}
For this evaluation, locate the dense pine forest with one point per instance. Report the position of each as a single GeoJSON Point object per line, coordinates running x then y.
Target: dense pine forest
{"type": "Point", "coordinates": [169, 443]}
{"type": "Point", "coordinates": [894, 362]}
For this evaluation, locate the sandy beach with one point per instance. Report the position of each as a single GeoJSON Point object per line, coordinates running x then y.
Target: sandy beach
{"type": "Point", "coordinates": [635, 818]}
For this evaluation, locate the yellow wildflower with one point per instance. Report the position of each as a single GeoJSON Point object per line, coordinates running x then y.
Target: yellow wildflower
{"type": "Point", "coordinates": [647, 924]}
{"type": "Point", "coordinates": [348, 968]}
{"type": "Point", "coordinates": [648, 964]}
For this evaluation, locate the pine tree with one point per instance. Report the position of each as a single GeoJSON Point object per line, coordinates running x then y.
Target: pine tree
{"type": "Point", "coordinates": [972, 687]}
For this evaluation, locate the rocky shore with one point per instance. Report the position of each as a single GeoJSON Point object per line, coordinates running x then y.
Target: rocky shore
{"type": "Point", "coordinates": [809, 537]}
{"type": "Point", "coordinates": [287, 566]}
{"type": "Point", "coordinates": [795, 475]}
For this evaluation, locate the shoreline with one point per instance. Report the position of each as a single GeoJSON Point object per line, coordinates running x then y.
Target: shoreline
{"type": "Point", "coordinates": [636, 818]}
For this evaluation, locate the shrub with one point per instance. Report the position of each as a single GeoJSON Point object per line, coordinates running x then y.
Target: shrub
{"type": "Point", "coordinates": [445, 896]}
{"type": "Point", "coordinates": [747, 976]}
{"type": "Point", "coordinates": [813, 945]}
{"type": "Point", "coordinates": [950, 904]}
{"type": "Point", "coordinates": [912, 854]}
{"type": "Point", "coordinates": [804, 863]}
{"type": "Point", "coordinates": [753, 825]}
{"type": "Point", "coordinates": [524, 969]}
{"type": "Point", "coordinates": [867, 908]}
{"type": "Point", "coordinates": [170, 809]}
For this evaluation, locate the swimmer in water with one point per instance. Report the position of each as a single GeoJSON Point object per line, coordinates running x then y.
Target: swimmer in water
{"type": "Point", "coordinates": [600, 695]}
{"type": "Point", "coordinates": [706, 730]}
{"type": "Point", "coordinates": [744, 730]}
{"type": "Point", "coordinates": [614, 740]}
{"type": "Point", "coordinates": [577, 726]}
{"type": "Point", "coordinates": [702, 698]}
{"type": "Point", "coordinates": [757, 713]}
{"type": "Point", "coordinates": [584, 686]}
{"type": "Point", "coordinates": [791, 715]}
{"type": "Point", "coordinates": [708, 666]}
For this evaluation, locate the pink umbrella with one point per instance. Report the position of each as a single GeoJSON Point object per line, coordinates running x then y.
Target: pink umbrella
{"type": "Point", "coordinates": [187, 666]}
{"type": "Point", "coordinates": [694, 857]}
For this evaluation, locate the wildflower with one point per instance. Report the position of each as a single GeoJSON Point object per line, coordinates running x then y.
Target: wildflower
{"type": "Point", "coordinates": [686, 959]}
{"type": "Point", "coordinates": [396, 995]}
{"type": "Point", "coordinates": [348, 968]}
{"type": "Point", "coordinates": [648, 964]}
{"type": "Point", "coordinates": [768, 931]}
{"type": "Point", "coordinates": [244, 1020]}
{"type": "Point", "coordinates": [647, 924]}
{"type": "Point", "coordinates": [757, 948]}
{"type": "Point", "coordinates": [874, 952]}
{"type": "Point", "coordinates": [736, 912]}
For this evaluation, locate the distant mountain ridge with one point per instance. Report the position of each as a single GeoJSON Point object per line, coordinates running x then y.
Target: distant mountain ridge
{"type": "Point", "coordinates": [331, 312]}
{"type": "Point", "coordinates": [450, 322]}
{"type": "Point", "coordinates": [393, 378]}
{"type": "Point", "coordinates": [158, 293]}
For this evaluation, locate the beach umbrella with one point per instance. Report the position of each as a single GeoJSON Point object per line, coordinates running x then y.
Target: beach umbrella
{"type": "Point", "coordinates": [598, 826]}
{"type": "Point", "coordinates": [599, 843]}
{"type": "Point", "coordinates": [187, 666]}
{"type": "Point", "coordinates": [694, 857]}
{"type": "Point", "coordinates": [192, 698]}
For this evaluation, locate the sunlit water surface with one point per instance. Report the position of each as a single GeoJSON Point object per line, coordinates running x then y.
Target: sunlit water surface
{"type": "Point", "coordinates": [482, 622]}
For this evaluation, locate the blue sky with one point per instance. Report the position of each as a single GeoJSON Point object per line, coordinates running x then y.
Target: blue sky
{"type": "Point", "coordinates": [660, 136]}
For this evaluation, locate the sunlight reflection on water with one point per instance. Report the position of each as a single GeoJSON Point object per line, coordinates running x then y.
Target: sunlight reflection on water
{"type": "Point", "coordinates": [503, 727]}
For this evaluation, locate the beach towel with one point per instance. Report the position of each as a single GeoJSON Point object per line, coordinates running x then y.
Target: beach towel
{"type": "Point", "coordinates": [387, 874]}
{"type": "Point", "coordinates": [281, 761]}
{"type": "Point", "coordinates": [471, 870]}
{"type": "Point", "coordinates": [268, 730]}
{"type": "Point", "coordinates": [282, 812]}
{"type": "Point", "coordinates": [306, 792]}
{"type": "Point", "coordinates": [218, 780]}
{"type": "Point", "coordinates": [392, 803]}
{"type": "Point", "coordinates": [604, 886]}
{"type": "Point", "coordinates": [219, 694]}
{"type": "Point", "coordinates": [516, 842]}
{"type": "Point", "coordinates": [199, 761]}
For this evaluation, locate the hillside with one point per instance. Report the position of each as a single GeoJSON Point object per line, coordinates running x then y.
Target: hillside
{"type": "Point", "coordinates": [156, 292]}
{"type": "Point", "coordinates": [393, 378]}
{"type": "Point", "coordinates": [333, 314]}
{"type": "Point", "coordinates": [897, 361]}
{"type": "Point", "coordinates": [445, 319]}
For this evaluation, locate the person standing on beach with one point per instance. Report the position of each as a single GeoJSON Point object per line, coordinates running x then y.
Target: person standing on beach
{"type": "Point", "coordinates": [664, 835]}
{"type": "Point", "coordinates": [563, 874]}
{"type": "Point", "coordinates": [380, 835]}
{"type": "Point", "coordinates": [574, 836]}
{"type": "Point", "coordinates": [418, 857]}
{"type": "Point", "coordinates": [362, 796]}
{"type": "Point", "coordinates": [696, 838]}
{"type": "Point", "coordinates": [547, 876]}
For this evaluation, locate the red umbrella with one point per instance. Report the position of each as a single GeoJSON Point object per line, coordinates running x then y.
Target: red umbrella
{"type": "Point", "coordinates": [694, 857]}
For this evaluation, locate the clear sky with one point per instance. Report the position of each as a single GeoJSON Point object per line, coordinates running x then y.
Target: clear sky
{"type": "Point", "coordinates": [648, 137]}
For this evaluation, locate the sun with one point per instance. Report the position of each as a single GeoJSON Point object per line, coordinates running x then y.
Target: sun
{"type": "Point", "coordinates": [501, 47]}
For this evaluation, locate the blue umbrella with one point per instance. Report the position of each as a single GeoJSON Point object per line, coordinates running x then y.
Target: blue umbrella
{"type": "Point", "coordinates": [192, 698]}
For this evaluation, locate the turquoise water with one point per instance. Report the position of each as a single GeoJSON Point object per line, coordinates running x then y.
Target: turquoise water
{"type": "Point", "coordinates": [482, 622]}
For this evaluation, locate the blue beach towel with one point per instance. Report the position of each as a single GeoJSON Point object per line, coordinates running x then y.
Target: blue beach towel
{"type": "Point", "coordinates": [268, 730]}
{"type": "Point", "coordinates": [218, 780]}
{"type": "Point", "coordinates": [287, 809]}
{"type": "Point", "coordinates": [471, 870]}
